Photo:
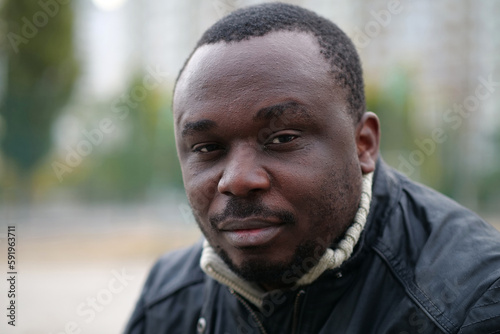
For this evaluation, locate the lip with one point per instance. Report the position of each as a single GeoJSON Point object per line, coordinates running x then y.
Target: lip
{"type": "Point", "coordinates": [247, 224]}
{"type": "Point", "coordinates": [252, 237]}
{"type": "Point", "coordinates": [250, 233]}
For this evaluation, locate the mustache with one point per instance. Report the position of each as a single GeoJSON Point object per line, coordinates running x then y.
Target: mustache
{"type": "Point", "coordinates": [239, 209]}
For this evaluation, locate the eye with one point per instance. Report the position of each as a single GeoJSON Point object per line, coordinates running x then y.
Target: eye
{"type": "Point", "coordinates": [206, 148]}
{"type": "Point", "coordinates": [281, 139]}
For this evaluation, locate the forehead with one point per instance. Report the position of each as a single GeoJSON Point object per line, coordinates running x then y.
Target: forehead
{"type": "Point", "coordinates": [284, 65]}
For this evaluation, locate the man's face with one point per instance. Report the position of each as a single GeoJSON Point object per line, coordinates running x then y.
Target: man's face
{"type": "Point", "coordinates": [268, 152]}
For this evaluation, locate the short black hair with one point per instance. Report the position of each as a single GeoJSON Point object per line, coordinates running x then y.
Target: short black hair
{"type": "Point", "coordinates": [335, 46]}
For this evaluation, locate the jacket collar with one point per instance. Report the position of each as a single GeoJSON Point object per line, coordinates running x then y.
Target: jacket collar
{"type": "Point", "coordinates": [385, 193]}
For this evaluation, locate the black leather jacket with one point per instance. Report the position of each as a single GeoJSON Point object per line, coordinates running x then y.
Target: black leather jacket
{"type": "Point", "coordinates": [424, 264]}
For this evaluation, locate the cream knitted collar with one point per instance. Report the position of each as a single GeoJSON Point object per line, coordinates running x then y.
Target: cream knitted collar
{"type": "Point", "coordinates": [216, 268]}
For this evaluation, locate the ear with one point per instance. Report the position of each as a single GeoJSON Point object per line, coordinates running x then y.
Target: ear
{"type": "Point", "coordinates": [367, 141]}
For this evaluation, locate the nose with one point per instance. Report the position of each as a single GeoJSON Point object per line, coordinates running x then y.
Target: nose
{"type": "Point", "coordinates": [243, 174]}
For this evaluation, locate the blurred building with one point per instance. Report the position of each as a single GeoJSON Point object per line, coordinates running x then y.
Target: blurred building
{"type": "Point", "coordinates": [152, 33]}
{"type": "Point", "coordinates": [450, 48]}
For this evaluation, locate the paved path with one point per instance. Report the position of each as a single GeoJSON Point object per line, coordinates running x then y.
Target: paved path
{"type": "Point", "coordinates": [69, 257]}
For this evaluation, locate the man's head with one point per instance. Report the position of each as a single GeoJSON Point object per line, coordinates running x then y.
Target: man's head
{"type": "Point", "coordinates": [335, 46]}
{"type": "Point", "coordinates": [272, 138]}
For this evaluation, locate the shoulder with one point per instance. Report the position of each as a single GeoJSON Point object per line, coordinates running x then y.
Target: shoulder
{"type": "Point", "coordinates": [174, 286]}
{"type": "Point", "coordinates": [174, 271]}
{"type": "Point", "coordinates": [446, 256]}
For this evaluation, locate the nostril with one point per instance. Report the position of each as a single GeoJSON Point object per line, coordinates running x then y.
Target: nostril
{"type": "Point", "coordinates": [244, 181]}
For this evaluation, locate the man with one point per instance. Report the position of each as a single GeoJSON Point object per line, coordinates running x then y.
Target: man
{"type": "Point", "coordinates": [280, 165]}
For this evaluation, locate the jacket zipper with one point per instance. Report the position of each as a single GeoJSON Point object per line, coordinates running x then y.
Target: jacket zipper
{"type": "Point", "coordinates": [257, 320]}
{"type": "Point", "coordinates": [232, 285]}
{"type": "Point", "coordinates": [249, 309]}
{"type": "Point", "coordinates": [296, 311]}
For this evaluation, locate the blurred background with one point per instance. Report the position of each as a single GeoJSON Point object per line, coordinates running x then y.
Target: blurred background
{"type": "Point", "coordinates": [88, 170]}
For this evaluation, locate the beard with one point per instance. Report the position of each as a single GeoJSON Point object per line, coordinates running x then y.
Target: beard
{"type": "Point", "coordinates": [263, 271]}
{"type": "Point", "coordinates": [280, 274]}
{"type": "Point", "coordinates": [329, 217]}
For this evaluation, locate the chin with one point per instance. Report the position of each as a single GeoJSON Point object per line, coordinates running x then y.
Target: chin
{"type": "Point", "coordinates": [275, 273]}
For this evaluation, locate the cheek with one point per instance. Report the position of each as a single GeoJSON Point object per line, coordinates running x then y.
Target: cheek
{"type": "Point", "coordinates": [200, 191]}
{"type": "Point", "coordinates": [326, 198]}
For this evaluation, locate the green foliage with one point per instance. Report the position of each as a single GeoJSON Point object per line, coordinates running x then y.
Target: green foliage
{"type": "Point", "coordinates": [145, 158]}
{"type": "Point", "coordinates": [41, 72]}
{"type": "Point", "coordinates": [489, 183]}
{"type": "Point", "coordinates": [443, 166]}
{"type": "Point", "coordinates": [395, 104]}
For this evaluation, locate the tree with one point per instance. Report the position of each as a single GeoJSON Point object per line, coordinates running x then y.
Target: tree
{"type": "Point", "coordinates": [41, 70]}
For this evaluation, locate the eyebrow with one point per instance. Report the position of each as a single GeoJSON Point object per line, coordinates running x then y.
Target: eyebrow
{"type": "Point", "coordinates": [279, 109]}
{"type": "Point", "coordinates": [266, 113]}
{"type": "Point", "coordinates": [198, 126]}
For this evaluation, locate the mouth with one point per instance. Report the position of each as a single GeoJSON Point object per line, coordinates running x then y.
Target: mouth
{"type": "Point", "coordinates": [250, 233]}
